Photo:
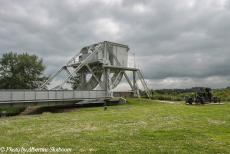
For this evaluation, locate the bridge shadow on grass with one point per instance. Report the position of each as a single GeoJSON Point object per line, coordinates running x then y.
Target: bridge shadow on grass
{"type": "Point", "coordinates": [56, 109]}
{"type": "Point", "coordinates": [34, 110]}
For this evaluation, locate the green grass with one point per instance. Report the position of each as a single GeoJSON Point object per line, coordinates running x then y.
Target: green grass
{"type": "Point", "coordinates": [140, 126]}
{"type": "Point", "coordinates": [11, 111]}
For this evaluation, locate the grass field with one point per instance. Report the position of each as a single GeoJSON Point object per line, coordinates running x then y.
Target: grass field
{"type": "Point", "coordinates": [140, 126]}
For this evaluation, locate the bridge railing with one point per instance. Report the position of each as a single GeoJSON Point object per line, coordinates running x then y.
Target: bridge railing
{"type": "Point", "coordinates": [48, 95]}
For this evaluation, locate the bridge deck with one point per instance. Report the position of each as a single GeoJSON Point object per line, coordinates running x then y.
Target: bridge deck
{"type": "Point", "coordinates": [46, 97]}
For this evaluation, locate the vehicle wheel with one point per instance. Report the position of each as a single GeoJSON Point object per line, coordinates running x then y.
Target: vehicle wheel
{"type": "Point", "coordinates": [189, 101]}
{"type": "Point", "coordinates": [202, 101]}
{"type": "Point", "coordinates": [215, 100]}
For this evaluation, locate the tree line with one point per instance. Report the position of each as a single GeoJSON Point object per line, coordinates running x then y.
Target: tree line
{"type": "Point", "coordinates": [21, 71]}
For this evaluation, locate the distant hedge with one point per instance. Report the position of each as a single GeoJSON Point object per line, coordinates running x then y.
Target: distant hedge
{"type": "Point", "coordinates": [181, 94]}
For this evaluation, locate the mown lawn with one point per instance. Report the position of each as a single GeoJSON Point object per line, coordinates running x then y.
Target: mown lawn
{"type": "Point", "coordinates": [140, 126]}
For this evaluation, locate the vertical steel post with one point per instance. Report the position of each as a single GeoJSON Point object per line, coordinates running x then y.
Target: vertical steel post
{"type": "Point", "coordinates": [107, 81]}
{"type": "Point", "coordinates": [83, 78]}
{"type": "Point", "coordinates": [135, 87]}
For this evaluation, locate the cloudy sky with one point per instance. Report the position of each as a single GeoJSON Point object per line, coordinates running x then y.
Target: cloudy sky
{"type": "Point", "coordinates": [177, 43]}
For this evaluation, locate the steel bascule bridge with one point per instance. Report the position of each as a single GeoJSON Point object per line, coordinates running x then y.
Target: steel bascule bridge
{"type": "Point", "coordinates": [95, 71]}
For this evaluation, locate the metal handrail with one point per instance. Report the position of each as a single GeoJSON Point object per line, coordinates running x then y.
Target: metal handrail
{"type": "Point", "coordinates": [48, 95]}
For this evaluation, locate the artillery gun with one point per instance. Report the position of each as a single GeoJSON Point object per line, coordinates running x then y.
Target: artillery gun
{"type": "Point", "coordinates": [203, 96]}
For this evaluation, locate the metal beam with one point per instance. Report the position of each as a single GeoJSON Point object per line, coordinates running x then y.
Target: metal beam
{"type": "Point", "coordinates": [127, 78]}
{"type": "Point", "coordinates": [144, 83]}
{"type": "Point", "coordinates": [99, 82]}
{"type": "Point", "coordinates": [66, 69]}
{"type": "Point", "coordinates": [120, 67]}
{"type": "Point", "coordinates": [135, 85]}
{"type": "Point", "coordinates": [51, 78]}
{"type": "Point", "coordinates": [81, 65]}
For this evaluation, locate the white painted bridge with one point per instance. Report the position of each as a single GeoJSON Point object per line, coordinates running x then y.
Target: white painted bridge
{"type": "Point", "coordinates": [105, 63]}
{"type": "Point", "coordinates": [48, 97]}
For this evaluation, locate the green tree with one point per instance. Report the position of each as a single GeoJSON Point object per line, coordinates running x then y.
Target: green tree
{"type": "Point", "coordinates": [21, 71]}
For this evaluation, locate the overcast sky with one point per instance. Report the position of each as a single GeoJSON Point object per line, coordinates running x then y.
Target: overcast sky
{"type": "Point", "coordinates": [178, 43]}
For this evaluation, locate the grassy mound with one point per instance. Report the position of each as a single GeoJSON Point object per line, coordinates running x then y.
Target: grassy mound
{"type": "Point", "coordinates": [140, 126]}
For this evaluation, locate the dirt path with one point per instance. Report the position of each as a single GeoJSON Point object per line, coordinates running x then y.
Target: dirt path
{"type": "Point", "coordinates": [170, 102]}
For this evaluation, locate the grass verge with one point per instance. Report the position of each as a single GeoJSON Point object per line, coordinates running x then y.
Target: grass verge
{"type": "Point", "coordinates": [140, 126]}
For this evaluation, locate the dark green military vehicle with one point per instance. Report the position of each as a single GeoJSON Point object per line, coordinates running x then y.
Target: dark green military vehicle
{"type": "Point", "coordinates": [203, 96]}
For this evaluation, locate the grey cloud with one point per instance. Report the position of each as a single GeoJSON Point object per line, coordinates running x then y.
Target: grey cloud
{"type": "Point", "coordinates": [186, 65]}
{"type": "Point", "coordinates": [171, 39]}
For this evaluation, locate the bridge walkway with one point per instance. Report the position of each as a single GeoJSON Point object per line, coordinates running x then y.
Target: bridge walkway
{"type": "Point", "coordinates": [47, 97]}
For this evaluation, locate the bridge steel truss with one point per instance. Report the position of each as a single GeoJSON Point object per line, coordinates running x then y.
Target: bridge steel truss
{"type": "Point", "coordinates": [107, 83]}
{"type": "Point", "coordinates": [107, 79]}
